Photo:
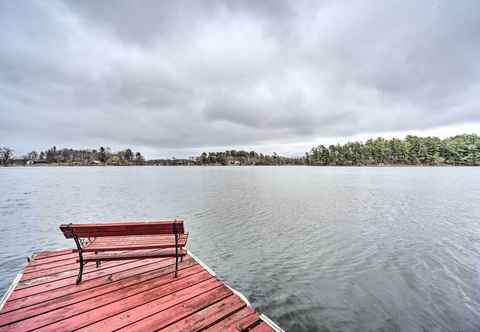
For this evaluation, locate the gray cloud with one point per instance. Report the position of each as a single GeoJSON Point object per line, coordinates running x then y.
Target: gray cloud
{"type": "Point", "coordinates": [189, 74]}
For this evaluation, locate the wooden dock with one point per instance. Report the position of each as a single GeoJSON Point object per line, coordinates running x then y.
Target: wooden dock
{"type": "Point", "coordinates": [135, 295]}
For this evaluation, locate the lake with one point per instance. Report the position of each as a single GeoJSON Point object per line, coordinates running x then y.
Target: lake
{"type": "Point", "coordinates": [315, 248]}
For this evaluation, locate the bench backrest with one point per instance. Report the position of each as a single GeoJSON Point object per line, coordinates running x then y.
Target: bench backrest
{"type": "Point", "coordinates": [123, 229]}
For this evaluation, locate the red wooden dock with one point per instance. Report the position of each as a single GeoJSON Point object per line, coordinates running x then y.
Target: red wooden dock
{"type": "Point", "coordinates": [138, 295]}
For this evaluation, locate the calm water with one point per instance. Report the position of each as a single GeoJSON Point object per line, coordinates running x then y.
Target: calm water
{"type": "Point", "coordinates": [317, 249]}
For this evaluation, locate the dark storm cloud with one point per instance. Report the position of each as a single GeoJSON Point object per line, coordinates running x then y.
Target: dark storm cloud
{"type": "Point", "coordinates": [188, 74]}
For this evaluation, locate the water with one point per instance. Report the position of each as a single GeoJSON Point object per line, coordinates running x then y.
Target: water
{"type": "Point", "coordinates": [316, 249]}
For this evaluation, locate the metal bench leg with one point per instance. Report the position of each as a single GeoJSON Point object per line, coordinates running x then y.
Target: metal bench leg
{"type": "Point", "coordinates": [176, 266]}
{"type": "Point", "coordinates": [80, 260]}
{"type": "Point", "coordinates": [79, 277]}
{"type": "Point", "coordinates": [176, 255]}
{"type": "Point", "coordinates": [97, 263]}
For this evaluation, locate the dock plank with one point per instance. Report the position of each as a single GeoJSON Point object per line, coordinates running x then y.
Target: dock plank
{"type": "Point", "coordinates": [144, 278]}
{"type": "Point", "coordinates": [139, 311]}
{"type": "Point", "coordinates": [55, 273]}
{"type": "Point", "coordinates": [69, 287]}
{"type": "Point", "coordinates": [180, 311]}
{"type": "Point", "coordinates": [83, 312]}
{"type": "Point", "coordinates": [132, 295]}
{"type": "Point", "coordinates": [36, 262]}
{"type": "Point", "coordinates": [239, 321]}
{"type": "Point", "coordinates": [262, 327]}
{"type": "Point", "coordinates": [30, 268]}
{"type": "Point", "coordinates": [48, 254]}
{"type": "Point", "coordinates": [208, 316]}
{"type": "Point", "coordinates": [113, 256]}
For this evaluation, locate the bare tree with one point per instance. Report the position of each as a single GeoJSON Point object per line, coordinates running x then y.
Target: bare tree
{"type": "Point", "coordinates": [5, 155]}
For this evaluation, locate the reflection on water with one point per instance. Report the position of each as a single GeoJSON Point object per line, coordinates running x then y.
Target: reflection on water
{"type": "Point", "coordinates": [328, 249]}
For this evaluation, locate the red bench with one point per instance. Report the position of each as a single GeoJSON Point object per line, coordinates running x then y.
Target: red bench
{"type": "Point", "coordinates": [128, 240]}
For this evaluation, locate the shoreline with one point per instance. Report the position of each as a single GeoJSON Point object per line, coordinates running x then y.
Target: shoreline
{"type": "Point", "coordinates": [234, 166]}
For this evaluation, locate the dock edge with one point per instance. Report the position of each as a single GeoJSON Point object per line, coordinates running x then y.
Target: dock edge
{"type": "Point", "coordinates": [10, 289]}
{"type": "Point", "coordinates": [263, 317]}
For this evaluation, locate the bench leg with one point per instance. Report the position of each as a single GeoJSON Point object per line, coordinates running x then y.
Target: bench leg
{"type": "Point", "coordinates": [176, 254]}
{"type": "Point", "coordinates": [176, 266]}
{"type": "Point", "coordinates": [80, 260]}
{"type": "Point", "coordinates": [80, 272]}
{"type": "Point", "coordinates": [97, 263]}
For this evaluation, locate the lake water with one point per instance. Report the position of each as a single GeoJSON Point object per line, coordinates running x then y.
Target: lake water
{"type": "Point", "coordinates": [315, 248]}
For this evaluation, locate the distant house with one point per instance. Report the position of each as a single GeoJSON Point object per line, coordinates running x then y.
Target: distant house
{"type": "Point", "coordinates": [184, 162]}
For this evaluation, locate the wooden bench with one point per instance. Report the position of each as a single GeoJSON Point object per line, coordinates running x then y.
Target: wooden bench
{"type": "Point", "coordinates": [128, 240]}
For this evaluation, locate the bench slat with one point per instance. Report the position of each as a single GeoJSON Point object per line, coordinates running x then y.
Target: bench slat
{"type": "Point", "coordinates": [122, 229]}
{"type": "Point", "coordinates": [126, 244]}
{"type": "Point", "coordinates": [113, 256]}
{"type": "Point", "coordinates": [137, 239]}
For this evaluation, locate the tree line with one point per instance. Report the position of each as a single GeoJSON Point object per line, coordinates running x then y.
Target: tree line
{"type": "Point", "coordinates": [233, 157]}
{"type": "Point", "coordinates": [413, 150]}
{"type": "Point", "coordinates": [67, 156]}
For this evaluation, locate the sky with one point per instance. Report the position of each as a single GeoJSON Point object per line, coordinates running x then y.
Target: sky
{"type": "Point", "coordinates": [174, 78]}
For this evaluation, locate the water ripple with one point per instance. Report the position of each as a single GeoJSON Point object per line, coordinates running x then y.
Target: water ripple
{"type": "Point", "coordinates": [317, 249]}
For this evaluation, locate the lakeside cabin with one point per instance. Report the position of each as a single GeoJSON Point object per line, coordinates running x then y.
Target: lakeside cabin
{"type": "Point", "coordinates": [131, 276]}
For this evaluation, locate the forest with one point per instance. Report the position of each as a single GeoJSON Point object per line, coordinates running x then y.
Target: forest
{"type": "Point", "coordinates": [73, 157]}
{"type": "Point", "coordinates": [459, 150]}
{"type": "Point", "coordinates": [234, 157]}
{"type": "Point", "coordinates": [413, 150]}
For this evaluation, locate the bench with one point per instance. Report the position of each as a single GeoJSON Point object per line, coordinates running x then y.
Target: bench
{"type": "Point", "coordinates": [127, 240]}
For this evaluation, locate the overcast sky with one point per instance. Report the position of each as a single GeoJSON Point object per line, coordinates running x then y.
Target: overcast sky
{"type": "Point", "coordinates": [178, 77]}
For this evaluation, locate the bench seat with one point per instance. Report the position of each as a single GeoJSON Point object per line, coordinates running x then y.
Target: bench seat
{"type": "Point", "coordinates": [118, 243]}
{"type": "Point", "coordinates": [126, 255]}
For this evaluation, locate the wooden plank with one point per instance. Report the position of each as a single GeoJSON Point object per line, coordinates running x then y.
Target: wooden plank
{"type": "Point", "coordinates": [120, 229]}
{"type": "Point", "coordinates": [262, 327]}
{"type": "Point", "coordinates": [125, 224]}
{"type": "Point", "coordinates": [58, 269]}
{"type": "Point", "coordinates": [49, 254]}
{"type": "Point", "coordinates": [113, 256]}
{"type": "Point", "coordinates": [102, 233]}
{"type": "Point", "coordinates": [66, 286]}
{"type": "Point", "coordinates": [239, 321]}
{"type": "Point", "coordinates": [127, 240]}
{"type": "Point", "coordinates": [208, 316]}
{"type": "Point", "coordinates": [46, 267]}
{"type": "Point", "coordinates": [169, 291]}
{"type": "Point", "coordinates": [56, 303]}
{"type": "Point", "coordinates": [61, 268]}
{"type": "Point", "coordinates": [129, 294]}
{"type": "Point", "coordinates": [44, 287]}
{"type": "Point", "coordinates": [129, 244]}
{"type": "Point", "coordinates": [91, 280]}
{"type": "Point", "coordinates": [162, 319]}
{"type": "Point", "coordinates": [51, 275]}
{"type": "Point", "coordinates": [38, 262]}
{"type": "Point", "coordinates": [137, 238]}
{"type": "Point", "coordinates": [138, 312]}
{"type": "Point", "coordinates": [139, 295]}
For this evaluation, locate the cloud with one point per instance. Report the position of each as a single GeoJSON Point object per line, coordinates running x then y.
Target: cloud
{"type": "Point", "coordinates": [186, 75]}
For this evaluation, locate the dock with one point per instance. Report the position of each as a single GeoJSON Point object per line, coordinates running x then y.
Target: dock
{"type": "Point", "coordinates": [134, 295]}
